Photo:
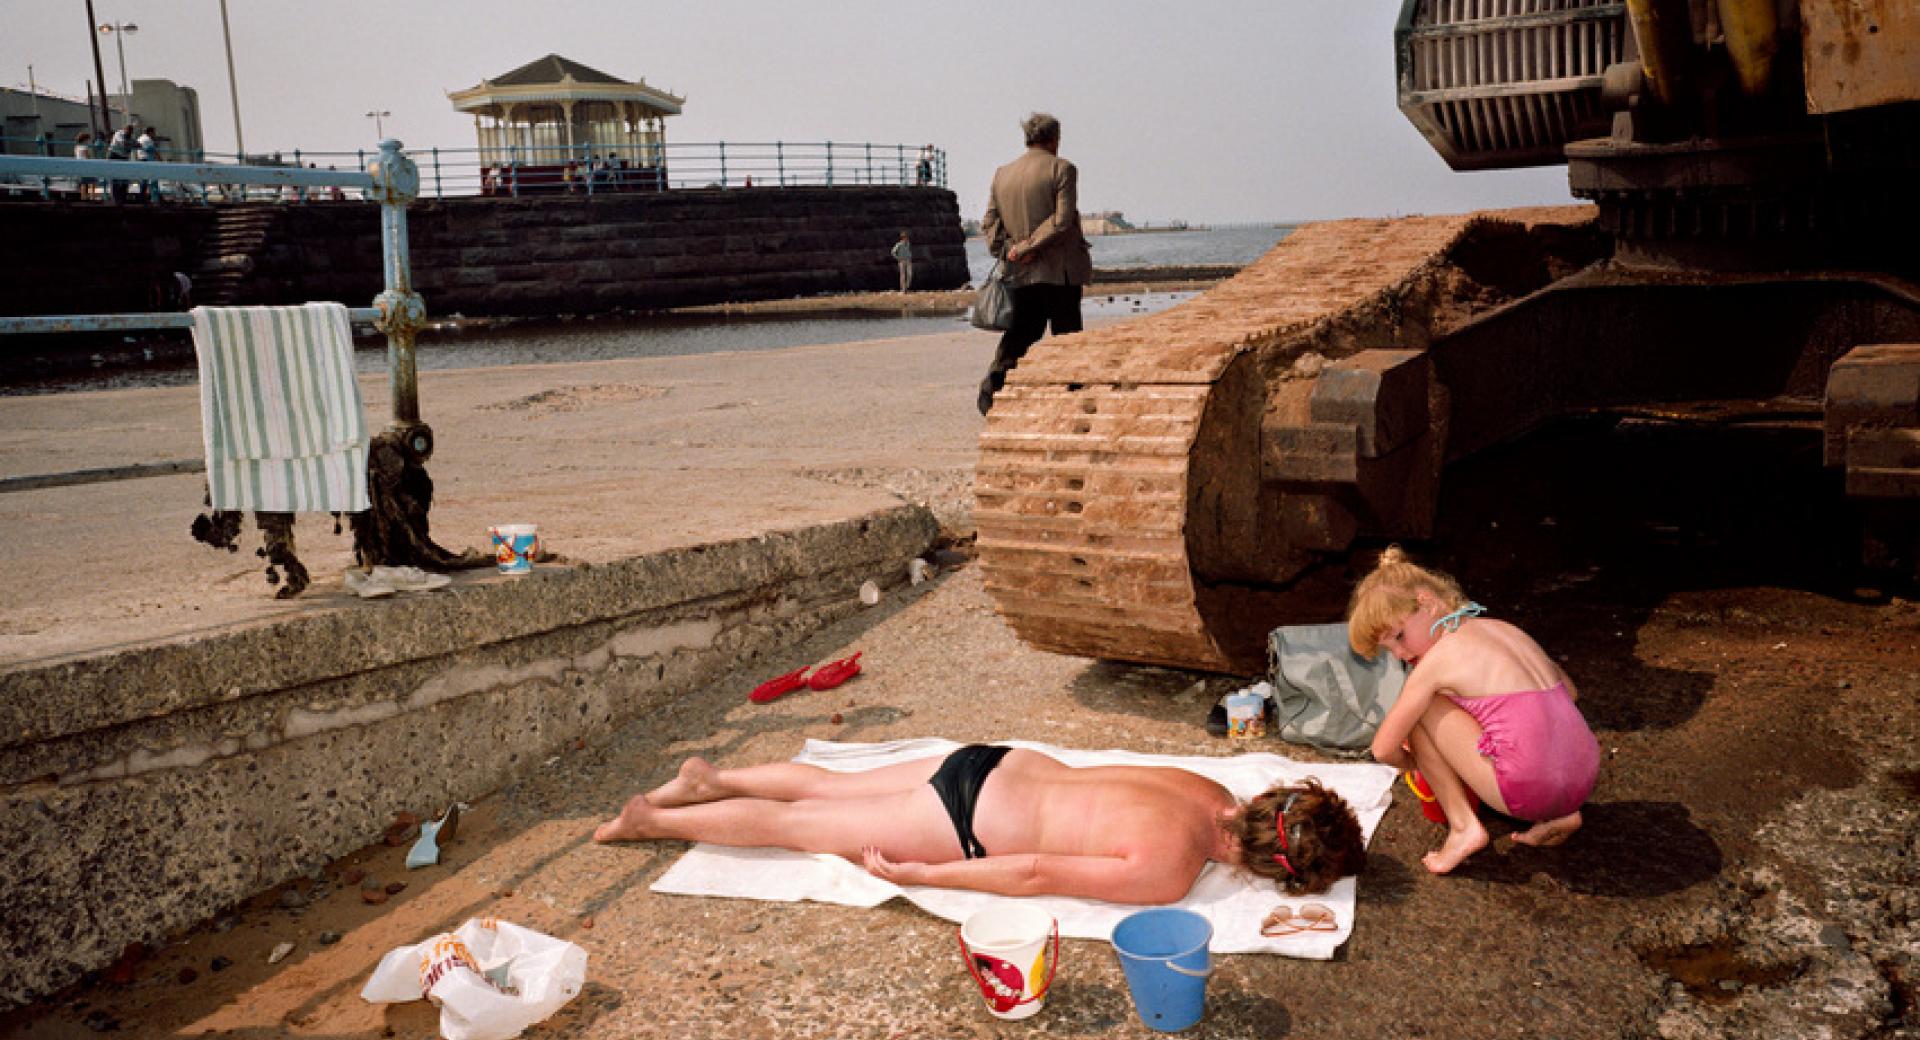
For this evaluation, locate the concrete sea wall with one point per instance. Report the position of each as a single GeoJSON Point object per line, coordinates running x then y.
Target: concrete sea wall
{"type": "Point", "coordinates": [538, 255]}
{"type": "Point", "coordinates": [147, 789]}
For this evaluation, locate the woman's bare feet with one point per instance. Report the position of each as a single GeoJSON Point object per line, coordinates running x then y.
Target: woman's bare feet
{"type": "Point", "coordinates": [1552, 832]}
{"type": "Point", "coordinates": [698, 782]}
{"type": "Point", "coordinates": [635, 822]}
{"type": "Point", "coordinates": [1459, 845]}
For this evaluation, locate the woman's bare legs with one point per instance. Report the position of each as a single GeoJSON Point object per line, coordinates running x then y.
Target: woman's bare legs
{"type": "Point", "coordinates": [909, 826]}
{"type": "Point", "coordinates": [1446, 747]}
{"type": "Point", "coordinates": [700, 782]}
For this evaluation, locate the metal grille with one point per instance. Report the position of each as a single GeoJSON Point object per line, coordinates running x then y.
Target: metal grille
{"type": "Point", "coordinates": [1504, 83]}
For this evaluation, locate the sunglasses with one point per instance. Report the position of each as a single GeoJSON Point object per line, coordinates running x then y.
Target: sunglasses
{"type": "Point", "coordinates": [1307, 917]}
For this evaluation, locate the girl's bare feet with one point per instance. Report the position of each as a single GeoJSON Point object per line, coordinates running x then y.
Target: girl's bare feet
{"type": "Point", "coordinates": [1552, 832]}
{"type": "Point", "coordinates": [698, 782]}
{"type": "Point", "coordinates": [1459, 845]}
{"type": "Point", "coordinates": [635, 822]}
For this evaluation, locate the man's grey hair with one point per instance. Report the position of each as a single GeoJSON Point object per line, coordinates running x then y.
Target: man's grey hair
{"type": "Point", "coordinates": [1041, 128]}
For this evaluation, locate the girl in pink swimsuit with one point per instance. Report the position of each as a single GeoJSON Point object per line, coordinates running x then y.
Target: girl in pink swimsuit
{"type": "Point", "coordinates": [1484, 709]}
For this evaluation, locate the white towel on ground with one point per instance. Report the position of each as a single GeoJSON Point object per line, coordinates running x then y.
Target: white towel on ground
{"type": "Point", "coordinates": [280, 410]}
{"type": "Point", "coordinates": [1234, 902]}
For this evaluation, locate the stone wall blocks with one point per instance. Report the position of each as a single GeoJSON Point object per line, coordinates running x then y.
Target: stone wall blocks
{"type": "Point", "coordinates": [519, 242]}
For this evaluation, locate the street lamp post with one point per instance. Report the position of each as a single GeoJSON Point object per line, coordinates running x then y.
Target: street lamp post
{"type": "Point", "coordinates": [379, 117]}
{"type": "Point", "coordinates": [99, 76]}
{"type": "Point", "coordinates": [233, 87]}
{"type": "Point", "coordinates": [120, 31]}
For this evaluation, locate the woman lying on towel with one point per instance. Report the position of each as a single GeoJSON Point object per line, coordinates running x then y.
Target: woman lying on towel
{"type": "Point", "coordinates": [1011, 821]}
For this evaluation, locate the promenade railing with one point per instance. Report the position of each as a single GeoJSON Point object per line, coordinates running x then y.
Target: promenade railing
{"type": "Point", "coordinates": [388, 178]}
{"type": "Point", "coordinates": [584, 169]}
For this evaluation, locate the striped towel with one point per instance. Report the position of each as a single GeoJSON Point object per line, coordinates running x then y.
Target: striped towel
{"type": "Point", "coordinates": [280, 409]}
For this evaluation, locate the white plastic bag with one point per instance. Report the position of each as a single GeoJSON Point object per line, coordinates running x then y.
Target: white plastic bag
{"type": "Point", "coordinates": [492, 979]}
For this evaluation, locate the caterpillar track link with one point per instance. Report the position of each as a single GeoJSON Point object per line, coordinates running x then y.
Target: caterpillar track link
{"type": "Point", "coordinates": [1165, 490]}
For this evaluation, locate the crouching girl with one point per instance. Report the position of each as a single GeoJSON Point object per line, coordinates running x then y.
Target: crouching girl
{"type": "Point", "coordinates": [1483, 708]}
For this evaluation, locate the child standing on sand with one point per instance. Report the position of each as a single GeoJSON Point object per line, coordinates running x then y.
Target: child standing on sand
{"type": "Point", "coordinates": [1483, 708]}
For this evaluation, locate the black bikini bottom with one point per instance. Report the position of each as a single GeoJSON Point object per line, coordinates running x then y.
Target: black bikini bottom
{"type": "Point", "coordinates": [958, 783]}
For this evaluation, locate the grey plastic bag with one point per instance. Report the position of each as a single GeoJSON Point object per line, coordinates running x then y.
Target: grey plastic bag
{"type": "Point", "coordinates": [993, 304]}
{"type": "Point", "coordinates": [1325, 695]}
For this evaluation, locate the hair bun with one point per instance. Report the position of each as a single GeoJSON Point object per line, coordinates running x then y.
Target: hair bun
{"type": "Point", "coordinates": [1393, 554]}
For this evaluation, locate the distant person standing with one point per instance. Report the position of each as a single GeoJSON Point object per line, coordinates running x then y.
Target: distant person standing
{"type": "Point", "coordinates": [83, 149]}
{"type": "Point", "coordinates": [120, 148]}
{"type": "Point", "coordinates": [147, 149]}
{"type": "Point", "coordinates": [923, 170]}
{"type": "Point", "coordinates": [1033, 225]}
{"type": "Point", "coordinates": [903, 252]}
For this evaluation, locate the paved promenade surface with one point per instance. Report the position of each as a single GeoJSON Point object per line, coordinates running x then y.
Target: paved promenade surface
{"type": "Point", "coordinates": [611, 459]}
{"type": "Point", "coordinates": [1748, 868]}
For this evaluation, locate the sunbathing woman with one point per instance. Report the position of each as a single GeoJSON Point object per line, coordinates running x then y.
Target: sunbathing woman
{"type": "Point", "coordinates": [1011, 821]}
{"type": "Point", "coordinates": [1483, 708]}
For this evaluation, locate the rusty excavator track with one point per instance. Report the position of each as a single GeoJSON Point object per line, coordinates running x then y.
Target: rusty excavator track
{"type": "Point", "coordinates": [1118, 514]}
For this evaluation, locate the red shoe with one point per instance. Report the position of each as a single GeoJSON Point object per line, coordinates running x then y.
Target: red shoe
{"type": "Point", "coordinates": [779, 686]}
{"type": "Point", "coordinates": [832, 674]}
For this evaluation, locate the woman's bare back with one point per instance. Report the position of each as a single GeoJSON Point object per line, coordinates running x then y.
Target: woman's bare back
{"type": "Point", "coordinates": [1033, 803]}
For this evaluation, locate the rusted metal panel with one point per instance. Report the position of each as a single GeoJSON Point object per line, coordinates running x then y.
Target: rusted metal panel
{"type": "Point", "coordinates": [1312, 453]}
{"type": "Point", "coordinates": [1883, 463]}
{"type": "Point", "coordinates": [1875, 386]}
{"type": "Point", "coordinates": [1383, 393]}
{"type": "Point", "coordinates": [1860, 53]}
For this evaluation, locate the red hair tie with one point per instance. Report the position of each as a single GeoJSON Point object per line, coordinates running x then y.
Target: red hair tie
{"type": "Point", "coordinates": [1280, 832]}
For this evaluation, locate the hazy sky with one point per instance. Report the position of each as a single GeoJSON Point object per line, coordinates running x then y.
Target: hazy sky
{"type": "Point", "coordinates": [1202, 111]}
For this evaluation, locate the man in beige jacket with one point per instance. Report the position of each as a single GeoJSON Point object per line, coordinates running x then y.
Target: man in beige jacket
{"type": "Point", "coordinates": [1033, 224]}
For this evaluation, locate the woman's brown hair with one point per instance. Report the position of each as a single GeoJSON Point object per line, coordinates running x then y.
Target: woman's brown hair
{"type": "Point", "coordinates": [1323, 841]}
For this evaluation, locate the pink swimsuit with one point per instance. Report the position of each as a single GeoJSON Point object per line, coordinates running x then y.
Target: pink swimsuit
{"type": "Point", "coordinates": [1545, 759]}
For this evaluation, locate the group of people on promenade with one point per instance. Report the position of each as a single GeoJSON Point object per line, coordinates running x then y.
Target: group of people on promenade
{"type": "Point", "coordinates": [129, 142]}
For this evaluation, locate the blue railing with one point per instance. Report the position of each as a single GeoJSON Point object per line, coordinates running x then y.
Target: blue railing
{"type": "Point", "coordinates": [389, 178]}
{"type": "Point", "coordinates": [584, 169]}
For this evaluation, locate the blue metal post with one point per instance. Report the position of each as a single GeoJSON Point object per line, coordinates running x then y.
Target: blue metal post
{"type": "Point", "coordinates": [723, 164]}
{"type": "Point", "coordinates": [900, 159]}
{"type": "Point", "coordinates": [829, 164]}
{"type": "Point", "coordinates": [780, 157]}
{"type": "Point", "coordinates": [438, 193]}
{"type": "Point", "coordinates": [402, 312]}
{"type": "Point", "coordinates": [869, 162]}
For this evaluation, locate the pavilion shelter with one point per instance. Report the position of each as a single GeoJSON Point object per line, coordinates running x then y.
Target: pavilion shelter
{"type": "Point", "coordinates": [555, 124]}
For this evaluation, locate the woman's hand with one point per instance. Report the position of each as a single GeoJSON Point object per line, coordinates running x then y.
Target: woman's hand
{"type": "Point", "coordinates": [887, 870]}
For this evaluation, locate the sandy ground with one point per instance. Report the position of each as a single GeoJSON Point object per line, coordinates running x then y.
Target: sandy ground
{"type": "Point", "coordinates": [1749, 867]}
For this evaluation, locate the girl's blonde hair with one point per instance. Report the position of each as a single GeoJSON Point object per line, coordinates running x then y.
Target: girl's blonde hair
{"type": "Point", "coordinates": [1385, 597]}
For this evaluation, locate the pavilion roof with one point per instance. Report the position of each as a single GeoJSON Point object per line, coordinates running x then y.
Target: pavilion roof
{"type": "Point", "coordinates": [551, 69]}
{"type": "Point", "coordinates": [555, 78]}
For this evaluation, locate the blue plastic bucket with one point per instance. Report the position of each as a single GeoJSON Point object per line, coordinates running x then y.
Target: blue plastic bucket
{"type": "Point", "coordinates": [1164, 953]}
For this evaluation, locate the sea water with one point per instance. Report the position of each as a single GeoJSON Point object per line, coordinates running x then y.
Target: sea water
{"type": "Point", "coordinates": [169, 362]}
